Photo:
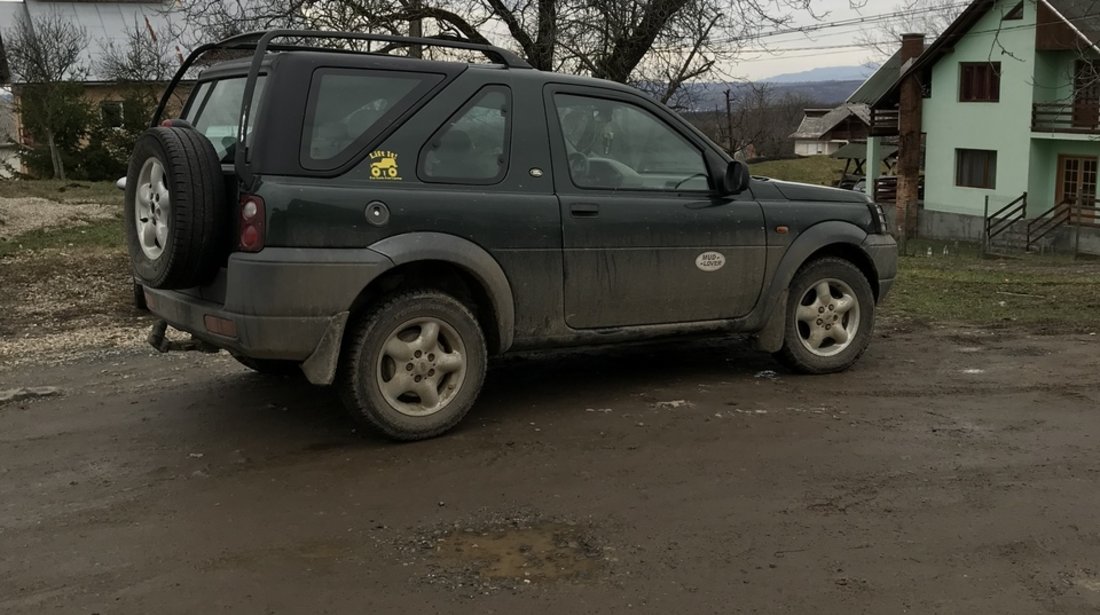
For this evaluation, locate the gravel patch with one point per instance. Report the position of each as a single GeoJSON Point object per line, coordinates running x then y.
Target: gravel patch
{"type": "Point", "coordinates": [491, 552]}
{"type": "Point", "coordinates": [59, 305]}
{"type": "Point", "coordinates": [21, 215]}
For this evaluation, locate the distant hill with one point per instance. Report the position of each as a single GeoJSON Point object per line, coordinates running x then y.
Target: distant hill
{"type": "Point", "coordinates": [708, 96]}
{"type": "Point", "coordinates": [827, 73]}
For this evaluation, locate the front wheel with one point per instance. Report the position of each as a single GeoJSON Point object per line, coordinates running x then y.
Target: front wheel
{"type": "Point", "coordinates": [830, 317]}
{"type": "Point", "coordinates": [414, 365]}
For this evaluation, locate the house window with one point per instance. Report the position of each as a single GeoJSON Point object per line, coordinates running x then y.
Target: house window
{"type": "Point", "coordinates": [110, 111]}
{"type": "Point", "coordinates": [1016, 13]}
{"type": "Point", "coordinates": [976, 168]}
{"type": "Point", "coordinates": [979, 81]}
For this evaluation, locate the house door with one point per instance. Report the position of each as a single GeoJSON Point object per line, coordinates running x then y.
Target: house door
{"type": "Point", "coordinates": [1086, 95]}
{"type": "Point", "coordinates": [1077, 177]}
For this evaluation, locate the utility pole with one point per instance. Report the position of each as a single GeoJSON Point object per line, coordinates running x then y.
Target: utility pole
{"type": "Point", "coordinates": [909, 141]}
{"type": "Point", "coordinates": [416, 29]}
{"type": "Point", "coordinates": [729, 122]}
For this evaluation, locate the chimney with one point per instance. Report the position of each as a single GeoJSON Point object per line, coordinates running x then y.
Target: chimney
{"type": "Point", "coordinates": [912, 45]}
{"type": "Point", "coordinates": [910, 104]}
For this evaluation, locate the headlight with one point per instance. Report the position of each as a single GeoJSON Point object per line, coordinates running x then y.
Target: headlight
{"type": "Point", "coordinates": [880, 217]}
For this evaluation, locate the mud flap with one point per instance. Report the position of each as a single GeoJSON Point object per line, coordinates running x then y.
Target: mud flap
{"type": "Point", "coordinates": [770, 338]}
{"type": "Point", "coordinates": [320, 367]}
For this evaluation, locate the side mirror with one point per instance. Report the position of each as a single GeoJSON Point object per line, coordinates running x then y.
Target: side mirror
{"type": "Point", "coordinates": [736, 178]}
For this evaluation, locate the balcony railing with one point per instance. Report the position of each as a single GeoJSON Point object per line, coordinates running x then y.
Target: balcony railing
{"type": "Point", "coordinates": [1079, 117]}
{"type": "Point", "coordinates": [884, 122]}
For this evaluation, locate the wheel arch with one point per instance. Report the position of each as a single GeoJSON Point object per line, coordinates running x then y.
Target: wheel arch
{"type": "Point", "coordinates": [853, 254]}
{"type": "Point", "coordinates": [833, 238]}
{"type": "Point", "coordinates": [454, 265]}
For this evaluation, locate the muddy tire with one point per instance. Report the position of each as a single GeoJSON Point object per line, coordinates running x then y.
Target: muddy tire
{"type": "Point", "coordinates": [270, 367]}
{"type": "Point", "coordinates": [830, 317]}
{"type": "Point", "coordinates": [176, 215]}
{"type": "Point", "coordinates": [413, 366]}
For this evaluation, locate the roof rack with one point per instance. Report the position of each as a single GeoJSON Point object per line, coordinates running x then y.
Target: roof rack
{"type": "Point", "coordinates": [260, 42]}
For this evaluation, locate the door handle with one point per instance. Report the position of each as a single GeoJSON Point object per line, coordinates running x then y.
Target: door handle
{"type": "Point", "coordinates": [584, 209]}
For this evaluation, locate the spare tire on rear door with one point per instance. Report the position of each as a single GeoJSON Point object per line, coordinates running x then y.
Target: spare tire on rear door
{"type": "Point", "coordinates": [176, 215]}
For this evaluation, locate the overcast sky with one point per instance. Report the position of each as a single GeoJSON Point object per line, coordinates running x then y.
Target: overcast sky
{"type": "Point", "coordinates": [764, 65]}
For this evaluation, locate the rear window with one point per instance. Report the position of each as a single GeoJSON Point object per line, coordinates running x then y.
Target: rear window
{"type": "Point", "coordinates": [348, 108]}
{"type": "Point", "coordinates": [215, 110]}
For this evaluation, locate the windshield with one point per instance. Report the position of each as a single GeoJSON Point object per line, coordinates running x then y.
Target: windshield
{"type": "Point", "coordinates": [215, 108]}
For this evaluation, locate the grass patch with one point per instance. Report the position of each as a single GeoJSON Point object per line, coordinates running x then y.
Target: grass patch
{"type": "Point", "coordinates": [1052, 294]}
{"type": "Point", "coordinates": [105, 233]}
{"type": "Point", "coordinates": [62, 191]}
{"type": "Point", "coordinates": [811, 170]}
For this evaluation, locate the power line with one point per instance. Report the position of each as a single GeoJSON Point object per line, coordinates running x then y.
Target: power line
{"type": "Point", "coordinates": [852, 21]}
{"type": "Point", "coordinates": [775, 51]}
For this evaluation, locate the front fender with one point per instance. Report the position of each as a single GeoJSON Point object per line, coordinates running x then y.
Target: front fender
{"type": "Point", "coordinates": [412, 247]}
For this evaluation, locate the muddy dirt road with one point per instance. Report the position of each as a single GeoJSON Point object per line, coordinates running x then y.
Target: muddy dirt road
{"type": "Point", "coordinates": [953, 471]}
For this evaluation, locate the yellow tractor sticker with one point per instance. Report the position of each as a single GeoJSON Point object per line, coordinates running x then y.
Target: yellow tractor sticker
{"type": "Point", "coordinates": [383, 165]}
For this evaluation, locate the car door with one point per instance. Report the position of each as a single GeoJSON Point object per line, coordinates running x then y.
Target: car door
{"type": "Point", "coordinates": [645, 238]}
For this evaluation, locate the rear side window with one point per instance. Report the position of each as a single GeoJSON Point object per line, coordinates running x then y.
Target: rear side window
{"type": "Point", "coordinates": [472, 147]}
{"type": "Point", "coordinates": [349, 107]}
{"type": "Point", "coordinates": [215, 111]}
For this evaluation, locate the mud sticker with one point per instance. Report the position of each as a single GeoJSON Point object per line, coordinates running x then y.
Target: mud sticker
{"type": "Point", "coordinates": [383, 165]}
{"type": "Point", "coordinates": [710, 261]}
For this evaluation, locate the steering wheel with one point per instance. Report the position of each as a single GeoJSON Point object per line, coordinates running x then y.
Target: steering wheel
{"type": "Point", "coordinates": [578, 164]}
{"type": "Point", "coordinates": [689, 178]}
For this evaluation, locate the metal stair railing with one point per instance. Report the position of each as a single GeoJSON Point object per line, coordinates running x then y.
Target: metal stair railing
{"type": "Point", "coordinates": [1004, 218]}
{"type": "Point", "coordinates": [1066, 212]}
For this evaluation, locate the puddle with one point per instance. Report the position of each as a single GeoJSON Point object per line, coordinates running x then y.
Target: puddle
{"type": "Point", "coordinates": [542, 552]}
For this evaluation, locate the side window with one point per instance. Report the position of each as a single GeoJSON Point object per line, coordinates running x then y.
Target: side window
{"type": "Point", "coordinates": [215, 109]}
{"type": "Point", "coordinates": [613, 144]}
{"type": "Point", "coordinates": [348, 107]}
{"type": "Point", "coordinates": [472, 147]}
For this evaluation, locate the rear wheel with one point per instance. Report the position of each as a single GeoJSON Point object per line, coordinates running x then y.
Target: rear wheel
{"type": "Point", "coordinates": [830, 317]}
{"type": "Point", "coordinates": [413, 366]}
{"type": "Point", "coordinates": [175, 210]}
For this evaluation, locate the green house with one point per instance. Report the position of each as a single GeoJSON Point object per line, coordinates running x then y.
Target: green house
{"type": "Point", "coordinates": [1011, 107]}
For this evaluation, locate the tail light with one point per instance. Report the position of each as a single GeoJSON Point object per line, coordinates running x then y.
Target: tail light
{"type": "Point", "coordinates": [250, 223]}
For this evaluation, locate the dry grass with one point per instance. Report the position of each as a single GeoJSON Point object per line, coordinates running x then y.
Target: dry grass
{"type": "Point", "coordinates": [62, 192]}
{"type": "Point", "coordinates": [811, 170]}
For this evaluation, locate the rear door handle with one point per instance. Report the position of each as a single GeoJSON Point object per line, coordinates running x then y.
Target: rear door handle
{"type": "Point", "coordinates": [585, 209]}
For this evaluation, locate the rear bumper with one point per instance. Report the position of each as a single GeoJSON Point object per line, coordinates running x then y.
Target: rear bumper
{"type": "Point", "coordinates": [263, 337]}
{"type": "Point", "coordinates": [280, 303]}
{"type": "Point", "coordinates": [883, 251]}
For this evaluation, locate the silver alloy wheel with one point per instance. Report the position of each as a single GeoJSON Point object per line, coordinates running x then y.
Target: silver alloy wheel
{"type": "Point", "coordinates": [421, 367]}
{"type": "Point", "coordinates": [152, 208]}
{"type": "Point", "coordinates": [827, 318]}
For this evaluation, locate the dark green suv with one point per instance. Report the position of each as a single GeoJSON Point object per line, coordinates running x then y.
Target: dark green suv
{"type": "Point", "coordinates": [386, 223]}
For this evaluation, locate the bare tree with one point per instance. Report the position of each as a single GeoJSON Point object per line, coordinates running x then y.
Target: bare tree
{"type": "Point", "coordinates": [928, 17]}
{"type": "Point", "coordinates": [660, 44]}
{"type": "Point", "coordinates": [44, 56]}
{"type": "Point", "coordinates": [757, 123]}
{"type": "Point", "coordinates": [147, 55]}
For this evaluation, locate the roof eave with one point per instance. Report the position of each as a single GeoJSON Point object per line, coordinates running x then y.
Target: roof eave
{"type": "Point", "coordinates": [1094, 45]}
{"type": "Point", "coordinates": [932, 54]}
